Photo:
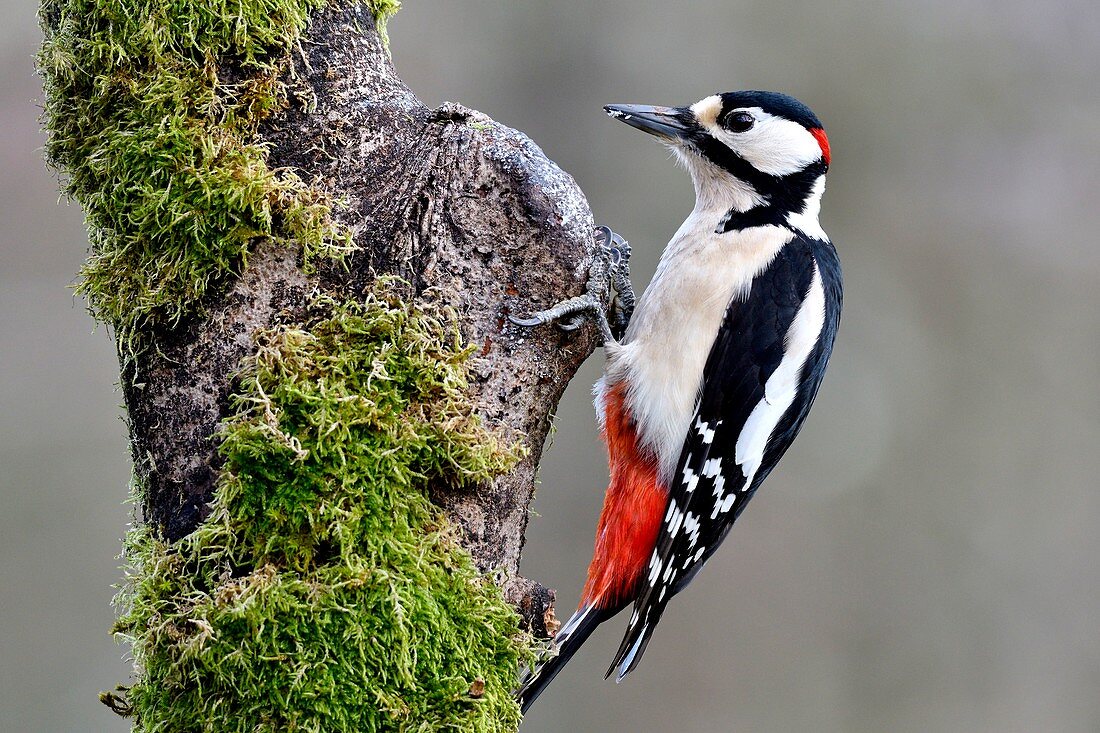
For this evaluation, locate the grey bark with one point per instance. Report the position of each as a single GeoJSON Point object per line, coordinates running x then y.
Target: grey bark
{"type": "Point", "coordinates": [471, 214]}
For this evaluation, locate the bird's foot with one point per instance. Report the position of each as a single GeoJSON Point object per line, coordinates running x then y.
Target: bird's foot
{"type": "Point", "coordinates": [608, 297]}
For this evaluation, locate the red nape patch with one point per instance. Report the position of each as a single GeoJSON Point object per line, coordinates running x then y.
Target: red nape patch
{"type": "Point", "coordinates": [823, 141]}
{"type": "Point", "coordinates": [633, 510]}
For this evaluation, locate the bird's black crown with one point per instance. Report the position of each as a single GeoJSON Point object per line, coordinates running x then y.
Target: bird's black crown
{"type": "Point", "coordinates": [773, 103]}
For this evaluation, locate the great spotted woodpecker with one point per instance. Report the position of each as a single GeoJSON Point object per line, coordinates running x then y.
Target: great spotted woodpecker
{"type": "Point", "coordinates": [720, 362]}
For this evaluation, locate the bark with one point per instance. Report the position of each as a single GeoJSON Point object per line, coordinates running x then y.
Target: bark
{"type": "Point", "coordinates": [469, 213]}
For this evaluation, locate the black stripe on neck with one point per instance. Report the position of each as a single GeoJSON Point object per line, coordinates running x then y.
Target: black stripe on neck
{"type": "Point", "coordinates": [736, 221]}
{"type": "Point", "coordinates": [784, 195]}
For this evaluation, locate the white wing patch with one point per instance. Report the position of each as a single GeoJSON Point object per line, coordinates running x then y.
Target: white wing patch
{"type": "Point", "coordinates": [691, 526]}
{"type": "Point", "coordinates": [782, 385]}
{"type": "Point", "coordinates": [655, 563]}
{"type": "Point", "coordinates": [706, 430]}
{"type": "Point", "coordinates": [691, 479]}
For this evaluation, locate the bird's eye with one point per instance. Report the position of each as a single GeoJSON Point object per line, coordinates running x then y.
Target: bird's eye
{"type": "Point", "coordinates": [739, 121]}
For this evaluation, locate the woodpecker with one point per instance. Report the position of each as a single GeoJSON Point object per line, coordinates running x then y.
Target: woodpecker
{"type": "Point", "coordinates": [720, 361]}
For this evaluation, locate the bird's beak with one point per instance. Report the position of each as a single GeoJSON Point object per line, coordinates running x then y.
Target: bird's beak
{"type": "Point", "coordinates": [664, 122]}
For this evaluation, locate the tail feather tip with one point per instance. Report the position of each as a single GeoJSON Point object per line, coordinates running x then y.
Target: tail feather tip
{"type": "Point", "coordinates": [568, 640]}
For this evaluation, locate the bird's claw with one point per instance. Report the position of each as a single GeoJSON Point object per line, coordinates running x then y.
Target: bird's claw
{"type": "Point", "coordinates": [572, 324]}
{"type": "Point", "coordinates": [618, 247]}
{"type": "Point", "coordinates": [621, 306]}
{"type": "Point", "coordinates": [534, 320]}
{"type": "Point", "coordinates": [609, 297]}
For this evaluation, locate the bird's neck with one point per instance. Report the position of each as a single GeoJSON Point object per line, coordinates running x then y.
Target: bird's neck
{"type": "Point", "coordinates": [732, 204]}
{"type": "Point", "coordinates": [717, 192]}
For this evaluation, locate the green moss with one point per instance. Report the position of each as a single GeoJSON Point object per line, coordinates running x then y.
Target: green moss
{"type": "Point", "coordinates": [326, 592]}
{"type": "Point", "coordinates": [152, 108]}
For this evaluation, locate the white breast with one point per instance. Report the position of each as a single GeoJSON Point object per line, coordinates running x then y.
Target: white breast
{"type": "Point", "coordinates": [675, 323]}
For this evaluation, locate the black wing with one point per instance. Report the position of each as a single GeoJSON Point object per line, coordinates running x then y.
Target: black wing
{"type": "Point", "coordinates": [715, 476]}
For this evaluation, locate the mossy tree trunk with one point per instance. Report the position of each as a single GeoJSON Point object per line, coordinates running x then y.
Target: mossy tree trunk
{"type": "Point", "coordinates": [235, 386]}
{"type": "Point", "coordinates": [469, 213]}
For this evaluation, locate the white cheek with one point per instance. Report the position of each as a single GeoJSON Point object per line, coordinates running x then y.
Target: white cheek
{"type": "Point", "coordinates": [774, 145]}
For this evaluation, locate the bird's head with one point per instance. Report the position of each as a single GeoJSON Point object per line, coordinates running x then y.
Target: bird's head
{"type": "Point", "coordinates": [743, 149]}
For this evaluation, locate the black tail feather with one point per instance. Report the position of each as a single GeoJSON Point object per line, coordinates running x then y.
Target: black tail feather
{"type": "Point", "coordinates": [574, 633]}
{"type": "Point", "coordinates": [635, 640]}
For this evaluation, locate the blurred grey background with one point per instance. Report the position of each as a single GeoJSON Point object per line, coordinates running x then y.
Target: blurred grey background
{"type": "Point", "coordinates": [925, 558]}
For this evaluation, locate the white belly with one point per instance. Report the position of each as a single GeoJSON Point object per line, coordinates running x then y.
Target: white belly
{"type": "Point", "coordinates": [661, 359]}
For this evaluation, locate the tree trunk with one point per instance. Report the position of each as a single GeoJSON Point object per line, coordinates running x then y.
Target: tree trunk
{"type": "Point", "coordinates": [468, 214]}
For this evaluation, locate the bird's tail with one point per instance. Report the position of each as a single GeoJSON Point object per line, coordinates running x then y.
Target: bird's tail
{"type": "Point", "coordinates": [647, 612]}
{"type": "Point", "coordinates": [568, 640]}
{"type": "Point", "coordinates": [630, 651]}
